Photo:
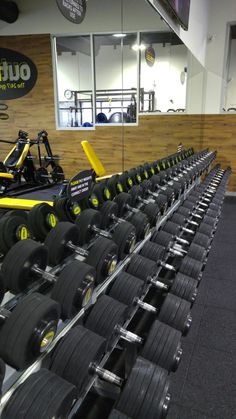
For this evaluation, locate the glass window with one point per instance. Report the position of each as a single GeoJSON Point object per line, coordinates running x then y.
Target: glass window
{"type": "Point", "coordinates": [116, 78]}
{"type": "Point", "coordinates": [163, 72]}
{"type": "Point", "coordinates": [74, 81]}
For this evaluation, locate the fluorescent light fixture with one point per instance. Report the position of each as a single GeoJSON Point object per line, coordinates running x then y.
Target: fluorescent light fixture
{"type": "Point", "coordinates": [137, 47]}
{"type": "Point", "coordinates": [119, 35]}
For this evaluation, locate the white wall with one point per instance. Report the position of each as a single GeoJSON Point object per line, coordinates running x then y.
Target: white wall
{"type": "Point", "coordinates": [230, 93]}
{"type": "Point", "coordinates": [196, 36]}
{"type": "Point", "coordinates": [102, 16]}
{"type": "Point", "coordinates": [221, 13]}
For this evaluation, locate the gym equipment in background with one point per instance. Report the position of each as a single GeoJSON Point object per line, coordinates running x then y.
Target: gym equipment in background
{"type": "Point", "coordinates": [18, 170]}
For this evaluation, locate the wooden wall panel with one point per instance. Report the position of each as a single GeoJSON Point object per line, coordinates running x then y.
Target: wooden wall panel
{"type": "Point", "coordinates": [154, 137]}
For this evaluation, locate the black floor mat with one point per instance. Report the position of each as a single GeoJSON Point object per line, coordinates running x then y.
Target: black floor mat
{"type": "Point", "coordinates": [204, 386]}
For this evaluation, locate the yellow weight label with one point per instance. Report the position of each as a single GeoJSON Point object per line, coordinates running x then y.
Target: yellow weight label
{"type": "Point", "coordinates": [23, 233]}
{"type": "Point", "coordinates": [52, 220]}
{"type": "Point", "coordinates": [152, 171]}
{"type": "Point", "coordinates": [146, 174]}
{"type": "Point", "coordinates": [76, 210]}
{"type": "Point", "coordinates": [47, 339]}
{"type": "Point", "coordinates": [95, 202]}
{"type": "Point", "coordinates": [139, 178]}
{"type": "Point", "coordinates": [163, 165]}
{"type": "Point", "coordinates": [158, 168]}
{"type": "Point", "coordinates": [130, 182]}
{"type": "Point", "coordinates": [119, 187]}
{"type": "Point", "coordinates": [107, 193]}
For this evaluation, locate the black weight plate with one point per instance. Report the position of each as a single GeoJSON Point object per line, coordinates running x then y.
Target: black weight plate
{"type": "Point", "coordinates": [74, 353]}
{"type": "Point", "coordinates": [57, 174]}
{"type": "Point", "coordinates": [163, 238]}
{"type": "Point", "coordinates": [191, 267]}
{"type": "Point", "coordinates": [85, 222]}
{"type": "Point", "coordinates": [153, 213]}
{"type": "Point", "coordinates": [115, 414]}
{"type": "Point", "coordinates": [41, 176]}
{"type": "Point", "coordinates": [184, 287]}
{"type": "Point", "coordinates": [162, 345]}
{"type": "Point", "coordinates": [141, 267]}
{"type": "Point", "coordinates": [73, 288]}
{"type": "Point", "coordinates": [153, 251]}
{"type": "Point", "coordinates": [59, 205]}
{"type": "Point", "coordinates": [105, 315]}
{"type": "Point", "coordinates": [202, 240]}
{"type": "Point", "coordinates": [126, 288]}
{"type": "Point", "coordinates": [197, 252]}
{"type": "Point", "coordinates": [2, 373]}
{"type": "Point", "coordinates": [18, 263]}
{"type": "Point", "coordinates": [19, 342]}
{"type": "Point", "coordinates": [141, 224]}
{"type": "Point", "coordinates": [145, 391]}
{"type": "Point", "coordinates": [206, 229]}
{"type": "Point", "coordinates": [57, 239]}
{"type": "Point", "coordinates": [172, 228]}
{"type": "Point", "coordinates": [42, 218]}
{"type": "Point", "coordinates": [122, 200]}
{"type": "Point", "coordinates": [103, 256]}
{"type": "Point", "coordinates": [2, 287]}
{"type": "Point", "coordinates": [108, 210]}
{"type": "Point", "coordinates": [175, 312]}
{"type": "Point", "coordinates": [124, 236]}
{"type": "Point", "coordinates": [12, 229]}
{"type": "Point", "coordinates": [43, 394]}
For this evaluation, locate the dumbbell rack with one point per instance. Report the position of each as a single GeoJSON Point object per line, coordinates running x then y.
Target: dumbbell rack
{"type": "Point", "coordinates": [13, 380]}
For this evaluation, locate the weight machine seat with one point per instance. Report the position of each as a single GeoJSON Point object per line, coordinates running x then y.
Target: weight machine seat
{"type": "Point", "coordinates": [16, 156]}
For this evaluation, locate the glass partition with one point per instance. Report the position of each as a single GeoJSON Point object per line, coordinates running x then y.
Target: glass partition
{"type": "Point", "coordinates": [163, 72]}
{"type": "Point", "coordinates": [74, 81]}
{"type": "Point", "coordinates": [116, 78]}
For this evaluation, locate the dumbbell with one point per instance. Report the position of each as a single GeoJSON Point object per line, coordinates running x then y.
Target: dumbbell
{"type": "Point", "coordinates": [146, 269]}
{"type": "Point", "coordinates": [138, 218]}
{"type": "Point", "coordinates": [63, 240]}
{"type": "Point", "coordinates": [72, 288]}
{"type": "Point", "coordinates": [41, 219]}
{"type": "Point", "coordinates": [42, 395]}
{"type": "Point", "coordinates": [150, 208]}
{"type": "Point", "coordinates": [159, 198]}
{"type": "Point", "coordinates": [182, 220]}
{"type": "Point", "coordinates": [83, 350]}
{"type": "Point", "coordinates": [176, 229]}
{"type": "Point", "coordinates": [174, 311]}
{"type": "Point", "coordinates": [109, 212]}
{"type": "Point", "coordinates": [189, 266]}
{"type": "Point", "coordinates": [67, 210]}
{"type": "Point", "coordinates": [166, 190]}
{"type": "Point", "coordinates": [13, 228]}
{"type": "Point", "coordinates": [113, 314]}
{"type": "Point", "coordinates": [27, 330]}
{"type": "Point", "coordinates": [123, 234]}
{"type": "Point", "coordinates": [189, 213]}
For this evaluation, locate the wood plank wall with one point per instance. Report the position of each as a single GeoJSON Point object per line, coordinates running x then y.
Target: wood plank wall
{"type": "Point", "coordinates": [154, 137]}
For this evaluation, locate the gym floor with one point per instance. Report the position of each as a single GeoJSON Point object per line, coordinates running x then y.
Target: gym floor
{"type": "Point", "coordinates": [204, 386]}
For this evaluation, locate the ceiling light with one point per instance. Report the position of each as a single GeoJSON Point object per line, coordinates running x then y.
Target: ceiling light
{"type": "Point", "coordinates": [137, 47]}
{"type": "Point", "coordinates": [119, 35]}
